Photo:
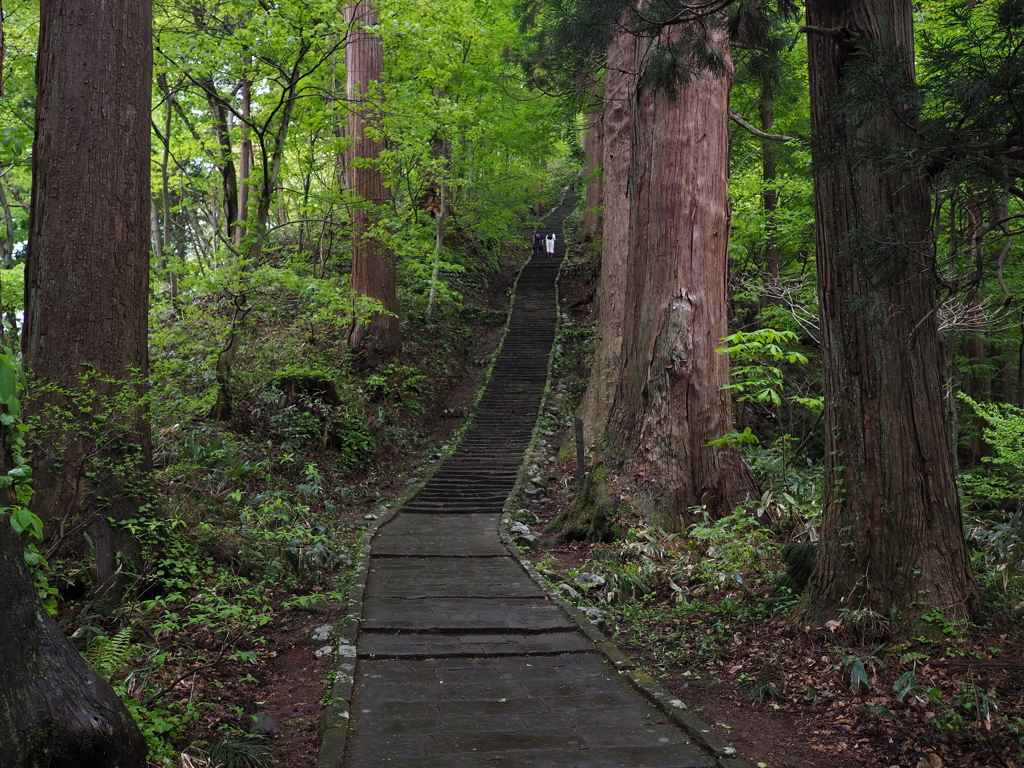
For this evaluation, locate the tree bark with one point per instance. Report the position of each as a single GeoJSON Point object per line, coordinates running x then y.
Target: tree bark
{"type": "Point", "coordinates": [772, 266]}
{"type": "Point", "coordinates": [373, 270]}
{"type": "Point", "coordinates": [229, 179]}
{"type": "Point", "coordinates": [87, 273]}
{"type": "Point", "coordinates": [669, 401]}
{"type": "Point", "coordinates": [593, 148]}
{"type": "Point", "coordinates": [619, 87]}
{"type": "Point", "coordinates": [892, 537]}
{"type": "Point", "coordinates": [55, 711]}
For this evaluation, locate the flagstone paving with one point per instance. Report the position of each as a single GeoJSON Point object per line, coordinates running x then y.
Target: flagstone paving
{"type": "Point", "coordinates": [462, 660]}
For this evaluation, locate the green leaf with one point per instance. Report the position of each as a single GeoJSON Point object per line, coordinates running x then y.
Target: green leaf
{"type": "Point", "coordinates": [858, 677]}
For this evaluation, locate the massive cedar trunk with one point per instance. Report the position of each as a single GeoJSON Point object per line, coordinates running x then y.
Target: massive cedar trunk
{"type": "Point", "coordinates": [55, 711]}
{"type": "Point", "coordinates": [891, 536]}
{"type": "Point", "coordinates": [593, 148]}
{"type": "Point", "coordinates": [85, 305]}
{"type": "Point", "coordinates": [87, 274]}
{"type": "Point", "coordinates": [619, 87]}
{"type": "Point", "coordinates": [669, 401]}
{"type": "Point", "coordinates": [373, 271]}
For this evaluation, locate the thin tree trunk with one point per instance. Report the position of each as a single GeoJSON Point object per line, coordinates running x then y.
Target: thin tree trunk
{"type": "Point", "coordinates": [771, 196]}
{"type": "Point", "coordinates": [892, 536]}
{"type": "Point", "coordinates": [229, 179]}
{"type": "Point", "coordinates": [8, 251]}
{"type": "Point", "coordinates": [165, 192]}
{"type": "Point", "coordinates": [977, 385]}
{"type": "Point", "coordinates": [670, 401]}
{"type": "Point", "coordinates": [245, 158]}
{"type": "Point", "coordinates": [373, 271]}
{"type": "Point", "coordinates": [439, 234]}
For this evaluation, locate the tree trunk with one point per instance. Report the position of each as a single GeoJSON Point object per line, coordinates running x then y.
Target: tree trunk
{"type": "Point", "coordinates": [620, 83]}
{"type": "Point", "coordinates": [772, 267]}
{"type": "Point", "coordinates": [669, 401]}
{"type": "Point", "coordinates": [593, 148]}
{"type": "Point", "coordinates": [229, 180]}
{"type": "Point", "coordinates": [373, 270]}
{"type": "Point", "coordinates": [892, 537]}
{"type": "Point", "coordinates": [87, 273]}
{"type": "Point", "coordinates": [55, 712]}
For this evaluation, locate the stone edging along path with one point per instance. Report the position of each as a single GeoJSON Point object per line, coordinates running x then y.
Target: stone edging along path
{"type": "Point", "coordinates": [455, 653]}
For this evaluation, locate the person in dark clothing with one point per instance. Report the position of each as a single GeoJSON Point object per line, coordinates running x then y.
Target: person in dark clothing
{"type": "Point", "coordinates": [538, 244]}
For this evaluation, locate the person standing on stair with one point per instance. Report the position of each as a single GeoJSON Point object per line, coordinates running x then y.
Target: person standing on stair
{"type": "Point", "coordinates": [538, 244]}
{"type": "Point", "coordinates": [549, 244]}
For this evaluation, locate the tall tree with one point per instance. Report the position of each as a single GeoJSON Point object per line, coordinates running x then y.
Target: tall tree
{"type": "Point", "coordinates": [655, 410]}
{"type": "Point", "coordinates": [87, 272]}
{"type": "Point", "coordinates": [892, 538]}
{"type": "Point", "coordinates": [619, 88]}
{"type": "Point", "coordinates": [373, 269]}
{"type": "Point", "coordinates": [593, 148]}
{"type": "Point", "coordinates": [670, 402]}
{"type": "Point", "coordinates": [86, 302]}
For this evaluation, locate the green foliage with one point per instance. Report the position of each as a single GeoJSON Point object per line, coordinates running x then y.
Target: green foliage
{"type": "Point", "coordinates": [859, 665]}
{"type": "Point", "coordinates": [754, 376]}
{"type": "Point", "coordinates": [108, 655]}
{"type": "Point", "coordinates": [1002, 475]}
{"type": "Point", "coordinates": [734, 552]}
{"type": "Point", "coordinates": [237, 750]}
{"type": "Point", "coordinates": [13, 433]}
{"type": "Point", "coordinates": [281, 536]}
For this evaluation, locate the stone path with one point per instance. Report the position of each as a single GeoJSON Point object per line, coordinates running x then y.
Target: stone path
{"type": "Point", "coordinates": [462, 660]}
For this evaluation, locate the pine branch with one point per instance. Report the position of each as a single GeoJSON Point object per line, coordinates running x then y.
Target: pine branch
{"type": "Point", "coordinates": [742, 122]}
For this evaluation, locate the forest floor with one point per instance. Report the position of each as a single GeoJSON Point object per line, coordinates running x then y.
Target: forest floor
{"type": "Point", "coordinates": [292, 680]}
{"type": "Point", "coordinates": [787, 695]}
{"type": "Point", "coordinates": [205, 661]}
{"type": "Point", "coordinates": [782, 693]}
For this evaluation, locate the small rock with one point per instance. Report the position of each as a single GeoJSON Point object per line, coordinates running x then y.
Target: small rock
{"type": "Point", "coordinates": [522, 536]}
{"type": "Point", "coordinates": [596, 616]}
{"type": "Point", "coordinates": [344, 559]}
{"type": "Point", "coordinates": [327, 650]}
{"type": "Point", "coordinates": [322, 633]}
{"type": "Point", "coordinates": [589, 580]}
{"type": "Point", "coordinates": [551, 575]}
{"type": "Point", "coordinates": [568, 592]}
{"type": "Point", "coordinates": [525, 516]}
{"type": "Point", "coordinates": [370, 517]}
{"type": "Point", "coordinates": [264, 725]}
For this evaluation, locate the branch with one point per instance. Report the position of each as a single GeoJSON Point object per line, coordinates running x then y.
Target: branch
{"type": "Point", "coordinates": [742, 122]}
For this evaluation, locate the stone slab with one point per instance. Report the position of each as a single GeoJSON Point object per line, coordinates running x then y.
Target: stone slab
{"type": "Point", "coordinates": [463, 615]}
{"type": "Point", "coordinates": [419, 577]}
{"type": "Point", "coordinates": [500, 712]}
{"type": "Point", "coordinates": [439, 646]}
{"type": "Point", "coordinates": [472, 535]}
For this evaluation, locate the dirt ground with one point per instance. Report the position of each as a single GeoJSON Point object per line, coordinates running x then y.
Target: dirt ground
{"type": "Point", "coordinates": [288, 682]}
{"type": "Point", "coordinates": [815, 722]}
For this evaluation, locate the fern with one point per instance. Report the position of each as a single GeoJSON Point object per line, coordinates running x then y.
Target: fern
{"type": "Point", "coordinates": [107, 655]}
